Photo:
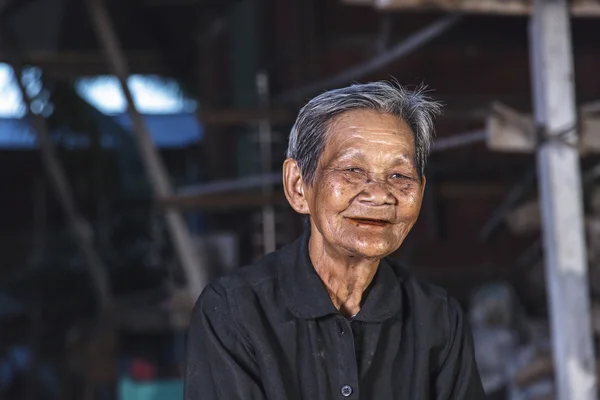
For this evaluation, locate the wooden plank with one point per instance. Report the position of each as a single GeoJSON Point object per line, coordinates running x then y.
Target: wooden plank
{"type": "Point", "coordinates": [525, 218]}
{"type": "Point", "coordinates": [80, 226]}
{"type": "Point", "coordinates": [190, 260]}
{"type": "Point", "coordinates": [359, 2]}
{"type": "Point", "coordinates": [239, 116]}
{"type": "Point", "coordinates": [407, 46]}
{"type": "Point", "coordinates": [540, 368]}
{"type": "Point", "coordinates": [511, 131]}
{"type": "Point", "coordinates": [511, 7]}
{"type": "Point", "coordinates": [71, 64]}
{"type": "Point", "coordinates": [461, 191]}
{"type": "Point", "coordinates": [248, 199]}
{"type": "Point", "coordinates": [583, 8]}
{"type": "Point", "coordinates": [590, 129]}
{"type": "Point", "coordinates": [225, 201]}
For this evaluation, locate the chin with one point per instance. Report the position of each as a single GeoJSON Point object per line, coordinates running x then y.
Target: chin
{"type": "Point", "coordinates": [371, 249]}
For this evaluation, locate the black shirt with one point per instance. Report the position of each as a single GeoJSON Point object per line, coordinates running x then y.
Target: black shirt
{"type": "Point", "coordinates": [270, 331]}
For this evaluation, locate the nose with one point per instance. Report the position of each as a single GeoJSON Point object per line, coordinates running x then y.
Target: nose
{"type": "Point", "coordinates": [376, 193]}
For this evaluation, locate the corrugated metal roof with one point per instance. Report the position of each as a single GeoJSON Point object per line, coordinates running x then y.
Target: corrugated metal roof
{"type": "Point", "coordinates": [167, 131]}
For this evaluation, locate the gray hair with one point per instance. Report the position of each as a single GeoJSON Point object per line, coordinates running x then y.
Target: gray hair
{"type": "Point", "coordinates": [307, 137]}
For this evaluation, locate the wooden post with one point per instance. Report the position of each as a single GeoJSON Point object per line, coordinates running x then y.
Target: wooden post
{"type": "Point", "coordinates": [269, 231]}
{"type": "Point", "coordinates": [80, 227]}
{"type": "Point", "coordinates": [561, 201]}
{"type": "Point", "coordinates": [180, 235]}
{"type": "Point", "coordinates": [38, 243]}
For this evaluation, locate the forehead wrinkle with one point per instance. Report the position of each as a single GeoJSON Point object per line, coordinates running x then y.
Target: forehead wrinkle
{"type": "Point", "coordinates": [383, 131]}
{"type": "Point", "coordinates": [382, 160]}
{"type": "Point", "coordinates": [382, 134]}
{"type": "Point", "coordinates": [340, 131]}
{"type": "Point", "coordinates": [341, 122]}
{"type": "Point", "coordinates": [382, 138]}
{"type": "Point", "coordinates": [356, 149]}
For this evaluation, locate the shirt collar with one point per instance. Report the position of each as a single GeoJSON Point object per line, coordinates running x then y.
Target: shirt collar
{"type": "Point", "coordinates": [306, 297]}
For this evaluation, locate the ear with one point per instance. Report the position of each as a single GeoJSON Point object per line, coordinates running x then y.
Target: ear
{"type": "Point", "coordinates": [293, 186]}
{"type": "Point", "coordinates": [423, 182]}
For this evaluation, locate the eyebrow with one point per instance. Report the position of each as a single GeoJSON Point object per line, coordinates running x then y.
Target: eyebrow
{"type": "Point", "coordinates": [403, 159]}
{"type": "Point", "coordinates": [357, 153]}
{"type": "Point", "coordinates": [349, 153]}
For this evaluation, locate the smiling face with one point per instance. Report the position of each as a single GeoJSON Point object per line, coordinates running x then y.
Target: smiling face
{"type": "Point", "coordinates": [366, 194]}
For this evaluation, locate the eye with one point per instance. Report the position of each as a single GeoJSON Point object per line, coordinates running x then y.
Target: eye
{"type": "Point", "coordinates": [354, 169]}
{"type": "Point", "coordinates": [402, 177]}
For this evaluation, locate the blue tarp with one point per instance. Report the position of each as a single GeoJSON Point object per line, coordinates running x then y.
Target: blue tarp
{"type": "Point", "coordinates": [168, 131]}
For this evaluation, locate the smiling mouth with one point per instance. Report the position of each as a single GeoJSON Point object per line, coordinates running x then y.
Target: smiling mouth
{"type": "Point", "coordinates": [369, 221]}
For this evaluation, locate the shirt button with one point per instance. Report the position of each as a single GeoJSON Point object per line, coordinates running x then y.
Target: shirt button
{"type": "Point", "coordinates": [341, 326]}
{"type": "Point", "coordinates": [346, 390]}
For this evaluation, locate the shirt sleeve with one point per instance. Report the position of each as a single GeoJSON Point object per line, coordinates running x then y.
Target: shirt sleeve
{"type": "Point", "coordinates": [458, 377]}
{"type": "Point", "coordinates": [220, 363]}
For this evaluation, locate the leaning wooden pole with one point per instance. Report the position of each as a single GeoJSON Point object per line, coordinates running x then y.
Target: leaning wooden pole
{"type": "Point", "coordinates": [157, 173]}
{"type": "Point", "coordinates": [561, 201]}
{"type": "Point", "coordinates": [80, 227]}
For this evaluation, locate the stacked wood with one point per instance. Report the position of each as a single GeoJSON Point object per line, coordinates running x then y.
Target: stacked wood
{"type": "Point", "coordinates": [524, 218]}
{"type": "Point", "coordinates": [540, 368]}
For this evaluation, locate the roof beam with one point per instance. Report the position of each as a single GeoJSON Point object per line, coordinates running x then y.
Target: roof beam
{"type": "Point", "coordinates": [71, 65]}
{"type": "Point", "coordinates": [402, 49]}
{"type": "Point", "coordinates": [582, 8]}
{"type": "Point", "coordinates": [244, 199]}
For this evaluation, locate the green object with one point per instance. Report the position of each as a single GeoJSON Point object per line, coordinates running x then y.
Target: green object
{"type": "Point", "coordinates": [150, 390]}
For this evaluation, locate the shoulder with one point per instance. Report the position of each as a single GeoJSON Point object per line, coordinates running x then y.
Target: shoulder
{"type": "Point", "coordinates": [431, 305]}
{"type": "Point", "coordinates": [419, 291]}
{"type": "Point", "coordinates": [245, 279]}
{"type": "Point", "coordinates": [219, 306]}
{"type": "Point", "coordinates": [250, 275]}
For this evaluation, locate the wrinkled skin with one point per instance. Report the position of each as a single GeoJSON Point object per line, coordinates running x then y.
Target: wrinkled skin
{"type": "Point", "coordinates": [367, 194]}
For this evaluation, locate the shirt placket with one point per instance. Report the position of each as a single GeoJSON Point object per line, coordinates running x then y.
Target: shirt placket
{"type": "Point", "coordinates": [348, 368]}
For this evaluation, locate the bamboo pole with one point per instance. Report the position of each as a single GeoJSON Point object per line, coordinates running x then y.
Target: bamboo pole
{"type": "Point", "coordinates": [80, 227]}
{"type": "Point", "coordinates": [157, 173]}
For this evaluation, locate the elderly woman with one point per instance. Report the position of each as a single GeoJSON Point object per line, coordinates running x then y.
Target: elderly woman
{"type": "Point", "coordinates": [331, 316]}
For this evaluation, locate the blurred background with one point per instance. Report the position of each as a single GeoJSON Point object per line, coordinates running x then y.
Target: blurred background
{"type": "Point", "coordinates": [141, 143]}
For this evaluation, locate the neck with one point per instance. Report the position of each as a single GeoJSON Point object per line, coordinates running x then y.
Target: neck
{"type": "Point", "coordinates": [346, 276]}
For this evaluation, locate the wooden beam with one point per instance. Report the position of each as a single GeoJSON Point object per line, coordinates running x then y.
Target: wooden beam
{"type": "Point", "coordinates": [359, 2]}
{"type": "Point", "coordinates": [72, 64]}
{"type": "Point", "coordinates": [585, 8]}
{"type": "Point", "coordinates": [240, 116]}
{"type": "Point", "coordinates": [407, 46]}
{"type": "Point", "coordinates": [223, 201]}
{"type": "Point", "coordinates": [511, 131]}
{"type": "Point", "coordinates": [463, 108]}
{"type": "Point", "coordinates": [459, 190]}
{"type": "Point", "coordinates": [525, 218]}
{"type": "Point", "coordinates": [172, 3]}
{"type": "Point", "coordinates": [190, 259]}
{"type": "Point", "coordinates": [81, 228]}
{"type": "Point", "coordinates": [248, 199]}
{"type": "Point", "coordinates": [540, 368]}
